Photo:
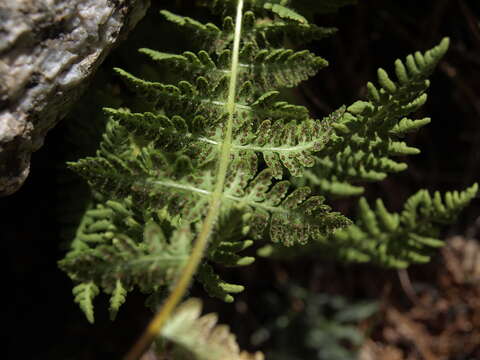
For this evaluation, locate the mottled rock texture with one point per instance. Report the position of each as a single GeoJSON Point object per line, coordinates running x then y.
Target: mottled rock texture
{"type": "Point", "coordinates": [48, 51]}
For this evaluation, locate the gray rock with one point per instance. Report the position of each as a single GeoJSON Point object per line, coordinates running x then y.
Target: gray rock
{"type": "Point", "coordinates": [49, 50]}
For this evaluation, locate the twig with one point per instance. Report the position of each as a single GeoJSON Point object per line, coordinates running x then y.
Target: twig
{"type": "Point", "coordinates": [407, 287]}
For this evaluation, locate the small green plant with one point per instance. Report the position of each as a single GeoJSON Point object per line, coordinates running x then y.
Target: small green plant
{"type": "Point", "coordinates": [215, 161]}
{"type": "Point", "coordinates": [319, 326]}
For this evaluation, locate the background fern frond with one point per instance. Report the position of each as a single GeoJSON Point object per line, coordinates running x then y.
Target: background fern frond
{"type": "Point", "coordinates": [189, 335]}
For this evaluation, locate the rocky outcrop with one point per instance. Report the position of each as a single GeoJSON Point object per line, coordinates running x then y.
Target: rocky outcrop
{"type": "Point", "coordinates": [48, 51]}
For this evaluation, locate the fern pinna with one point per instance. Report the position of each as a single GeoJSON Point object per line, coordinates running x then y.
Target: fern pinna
{"type": "Point", "coordinates": [216, 160]}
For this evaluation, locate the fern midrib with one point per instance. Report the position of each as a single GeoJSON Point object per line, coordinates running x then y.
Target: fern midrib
{"type": "Point", "coordinates": [202, 240]}
{"type": "Point", "coordinates": [241, 200]}
{"type": "Point", "coordinates": [304, 146]}
{"type": "Point", "coordinates": [222, 103]}
{"type": "Point", "coordinates": [165, 261]}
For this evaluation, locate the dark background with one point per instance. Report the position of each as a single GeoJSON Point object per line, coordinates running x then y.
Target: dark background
{"type": "Point", "coordinates": [43, 322]}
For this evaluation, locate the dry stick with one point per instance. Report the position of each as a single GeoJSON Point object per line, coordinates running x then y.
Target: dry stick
{"type": "Point", "coordinates": [407, 286]}
{"type": "Point", "coordinates": [201, 242]}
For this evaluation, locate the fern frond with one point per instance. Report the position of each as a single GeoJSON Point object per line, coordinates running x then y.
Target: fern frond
{"type": "Point", "coordinates": [332, 186]}
{"type": "Point", "coordinates": [229, 240]}
{"type": "Point", "coordinates": [207, 32]}
{"type": "Point", "coordinates": [84, 294]}
{"type": "Point", "coordinates": [288, 217]}
{"type": "Point", "coordinates": [225, 245]}
{"type": "Point", "coordinates": [117, 299]}
{"type": "Point", "coordinates": [147, 179]}
{"type": "Point", "coordinates": [169, 134]}
{"type": "Point", "coordinates": [216, 155]}
{"type": "Point", "coordinates": [367, 136]}
{"type": "Point", "coordinates": [265, 69]}
{"type": "Point", "coordinates": [119, 263]}
{"type": "Point", "coordinates": [257, 111]}
{"type": "Point", "coordinates": [262, 31]}
{"type": "Point", "coordinates": [281, 132]}
{"type": "Point", "coordinates": [100, 223]}
{"type": "Point", "coordinates": [392, 239]}
{"type": "Point", "coordinates": [164, 161]}
{"type": "Point", "coordinates": [397, 240]}
{"type": "Point", "coordinates": [189, 335]}
{"type": "Point", "coordinates": [275, 33]}
{"type": "Point", "coordinates": [292, 145]}
{"type": "Point", "coordinates": [285, 13]}
{"type": "Point", "coordinates": [215, 286]}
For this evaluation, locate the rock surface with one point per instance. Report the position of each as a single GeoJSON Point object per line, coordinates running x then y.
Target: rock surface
{"type": "Point", "coordinates": [48, 51]}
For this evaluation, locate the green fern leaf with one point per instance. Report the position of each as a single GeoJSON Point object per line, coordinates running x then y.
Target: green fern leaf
{"type": "Point", "coordinates": [265, 69]}
{"type": "Point", "coordinates": [288, 217]}
{"type": "Point", "coordinates": [215, 286]}
{"type": "Point", "coordinates": [390, 239]}
{"type": "Point", "coordinates": [117, 299]}
{"type": "Point", "coordinates": [285, 12]}
{"type": "Point", "coordinates": [209, 31]}
{"type": "Point", "coordinates": [229, 240]}
{"type": "Point", "coordinates": [398, 240]}
{"type": "Point", "coordinates": [119, 263]}
{"type": "Point", "coordinates": [361, 154]}
{"type": "Point", "coordinates": [84, 294]}
{"type": "Point", "coordinates": [216, 153]}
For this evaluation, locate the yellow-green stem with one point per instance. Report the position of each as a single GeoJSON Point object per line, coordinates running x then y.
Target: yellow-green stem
{"type": "Point", "coordinates": [202, 239]}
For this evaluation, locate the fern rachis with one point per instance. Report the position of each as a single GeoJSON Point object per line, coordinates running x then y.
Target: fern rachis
{"type": "Point", "coordinates": [212, 213]}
